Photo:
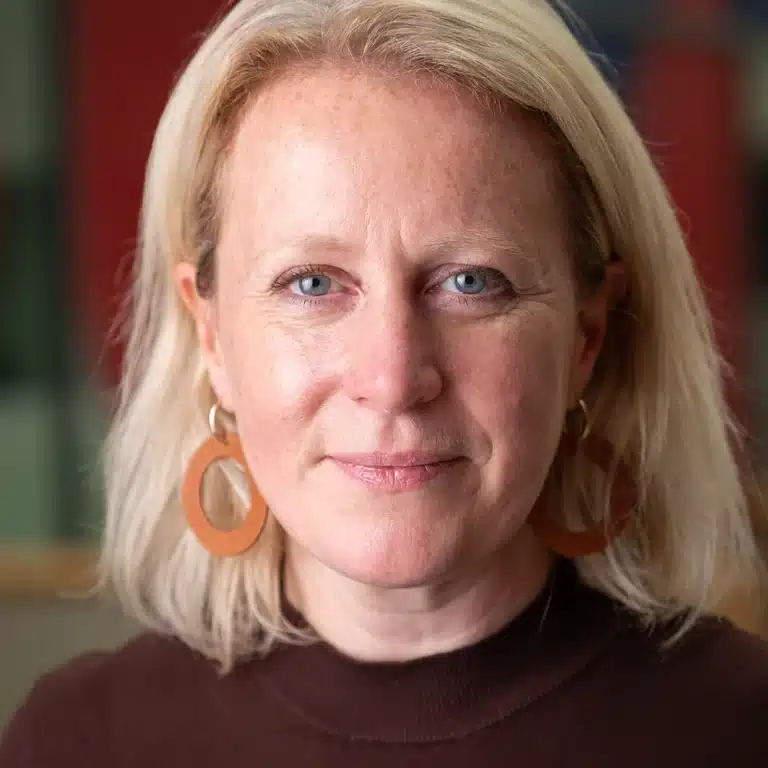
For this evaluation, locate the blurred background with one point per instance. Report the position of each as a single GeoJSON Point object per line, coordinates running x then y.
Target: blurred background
{"type": "Point", "coordinates": [82, 85]}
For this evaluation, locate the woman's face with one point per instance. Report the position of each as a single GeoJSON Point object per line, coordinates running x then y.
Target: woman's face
{"type": "Point", "coordinates": [393, 288]}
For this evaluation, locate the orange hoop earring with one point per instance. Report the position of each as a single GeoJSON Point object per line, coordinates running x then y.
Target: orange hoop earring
{"type": "Point", "coordinates": [623, 499]}
{"type": "Point", "coordinates": [221, 445]}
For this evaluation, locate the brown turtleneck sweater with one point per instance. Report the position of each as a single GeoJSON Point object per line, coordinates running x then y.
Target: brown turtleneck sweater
{"type": "Point", "coordinates": [570, 682]}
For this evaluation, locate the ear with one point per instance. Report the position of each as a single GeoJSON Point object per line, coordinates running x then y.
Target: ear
{"type": "Point", "coordinates": [203, 311]}
{"type": "Point", "coordinates": [593, 317]}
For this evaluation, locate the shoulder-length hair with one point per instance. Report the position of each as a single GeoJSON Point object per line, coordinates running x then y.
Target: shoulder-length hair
{"type": "Point", "coordinates": [657, 392]}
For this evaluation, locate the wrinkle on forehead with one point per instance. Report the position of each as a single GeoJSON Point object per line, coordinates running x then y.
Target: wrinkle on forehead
{"type": "Point", "coordinates": [445, 154]}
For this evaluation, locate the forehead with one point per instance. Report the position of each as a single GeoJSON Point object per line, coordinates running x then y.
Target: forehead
{"type": "Point", "coordinates": [358, 106]}
{"type": "Point", "coordinates": [343, 143]}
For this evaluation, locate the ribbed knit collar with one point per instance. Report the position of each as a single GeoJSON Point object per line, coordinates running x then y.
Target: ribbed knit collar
{"type": "Point", "coordinates": [451, 694]}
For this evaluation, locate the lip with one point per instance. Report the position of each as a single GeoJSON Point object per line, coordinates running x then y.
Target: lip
{"type": "Point", "coordinates": [400, 459]}
{"type": "Point", "coordinates": [396, 472]}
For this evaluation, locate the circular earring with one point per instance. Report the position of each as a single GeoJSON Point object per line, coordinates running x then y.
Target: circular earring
{"type": "Point", "coordinates": [623, 499]}
{"type": "Point", "coordinates": [221, 445]}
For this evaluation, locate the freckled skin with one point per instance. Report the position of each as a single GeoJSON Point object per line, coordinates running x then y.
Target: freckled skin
{"type": "Point", "coordinates": [391, 358]}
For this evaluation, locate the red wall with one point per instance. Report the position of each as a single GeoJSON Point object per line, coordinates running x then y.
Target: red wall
{"type": "Point", "coordinates": [690, 109]}
{"type": "Point", "coordinates": [126, 55]}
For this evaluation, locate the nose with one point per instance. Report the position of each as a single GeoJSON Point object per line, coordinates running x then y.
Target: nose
{"type": "Point", "coordinates": [391, 365]}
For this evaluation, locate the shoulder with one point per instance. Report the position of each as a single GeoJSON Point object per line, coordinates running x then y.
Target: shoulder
{"type": "Point", "coordinates": [724, 662]}
{"type": "Point", "coordinates": [714, 652]}
{"type": "Point", "coordinates": [721, 644]}
{"type": "Point", "coordinates": [91, 679]}
{"type": "Point", "coordinates": [710, 687]}
{"type": "Point", "coordinates": [66, 710]}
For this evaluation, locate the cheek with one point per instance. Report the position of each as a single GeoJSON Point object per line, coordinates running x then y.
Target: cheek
{"type": "Point", "coordinates": [520, 393]}
{"type": "Point", "coordinates": [277, 373]}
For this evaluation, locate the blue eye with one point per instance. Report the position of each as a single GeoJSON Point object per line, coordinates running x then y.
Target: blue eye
{"type": "Point", "coordinates": [470, 281]}
{"type": "Point", "coordinates": [313, 285]}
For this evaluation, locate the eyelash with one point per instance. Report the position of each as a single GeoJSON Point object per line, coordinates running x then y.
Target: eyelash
{"type": "Point", "coordinates": [306, 270]}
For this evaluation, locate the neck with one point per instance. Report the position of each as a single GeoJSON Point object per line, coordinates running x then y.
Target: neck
{"type": "Point", "coordinates": [381, 624]}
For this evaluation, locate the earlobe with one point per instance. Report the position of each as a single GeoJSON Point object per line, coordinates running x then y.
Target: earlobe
{"type": "Point", "coordinates": [185, 275]}
{"type": "Point", "coordinates": [595, 312]}
{"type": "Point", "coordinates": [592, 325]}
{"type": "Point", "coordinates": [616, 283]}
{"type": "Point", "coordinates": [202, 312]}
{"type": "Point", "coordinates": [199, 308]}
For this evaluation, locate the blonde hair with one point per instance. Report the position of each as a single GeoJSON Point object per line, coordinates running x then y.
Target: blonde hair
{"type": "Point", "coordinates": [657, 393]}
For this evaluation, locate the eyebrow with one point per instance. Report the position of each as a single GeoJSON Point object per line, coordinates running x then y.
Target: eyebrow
{"type": "Point", "coordinates": [310, 243]}
{"type": "Point", "coordinates": [477, 239]}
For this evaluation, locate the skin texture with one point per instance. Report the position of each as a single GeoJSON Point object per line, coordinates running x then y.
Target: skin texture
{"type": "Point", "coordinates": [444, 317]}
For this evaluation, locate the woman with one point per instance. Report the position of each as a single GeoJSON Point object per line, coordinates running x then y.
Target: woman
{"type": "Point", "coordinates": [408, 264]}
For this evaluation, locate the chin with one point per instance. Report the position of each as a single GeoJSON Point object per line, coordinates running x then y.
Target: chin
{"type": "Point", "coordinates": [395, 562]}
{"type": "Point", "coordinates": [405, 578]}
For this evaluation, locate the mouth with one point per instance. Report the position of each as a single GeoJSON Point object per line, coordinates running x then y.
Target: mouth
{"type": "Point", "coordinates": [396, 472]}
